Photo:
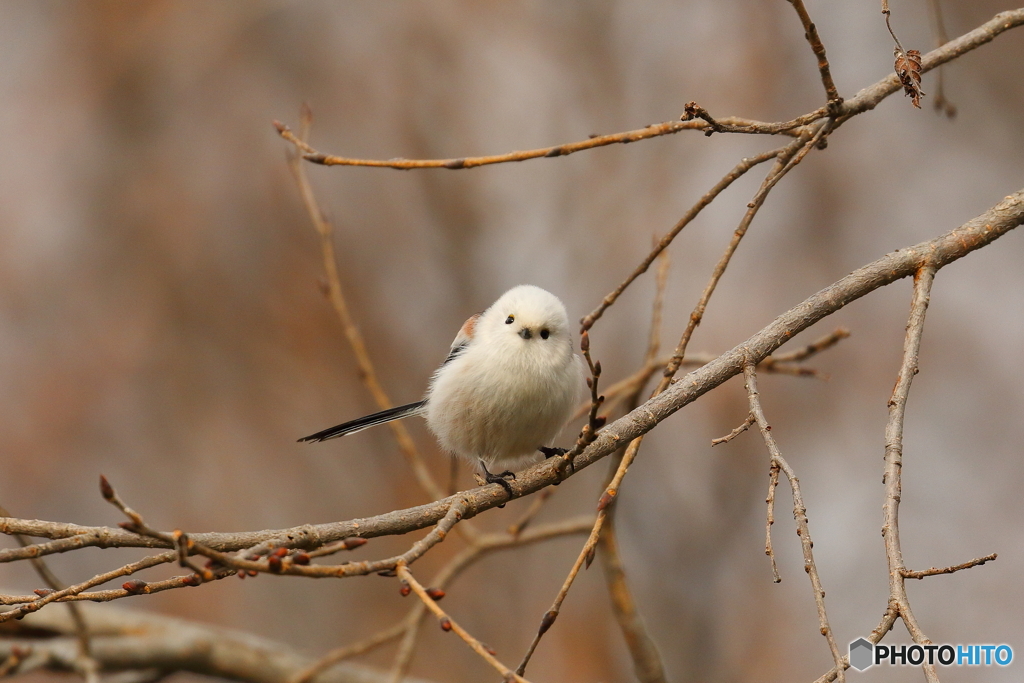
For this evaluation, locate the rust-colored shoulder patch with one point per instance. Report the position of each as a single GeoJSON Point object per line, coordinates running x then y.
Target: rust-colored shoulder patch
{"type": "Point", "coordinates": [466, 331]}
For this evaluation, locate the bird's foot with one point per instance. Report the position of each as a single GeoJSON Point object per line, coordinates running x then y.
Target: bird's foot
{"type": "Point", "coordinates": [491, 478]}
{"type": "Point", "coordinates": [550, 452]}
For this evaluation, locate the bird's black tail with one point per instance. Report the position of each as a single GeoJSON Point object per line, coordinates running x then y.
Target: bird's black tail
{"type": "Point", "coordinates": [366, 422]}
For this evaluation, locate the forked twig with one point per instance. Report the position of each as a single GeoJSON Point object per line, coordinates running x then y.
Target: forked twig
{"type": "Point", "coordinates": [799, 513]}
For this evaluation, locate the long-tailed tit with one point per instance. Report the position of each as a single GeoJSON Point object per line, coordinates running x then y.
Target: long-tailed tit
{"type": "Point", "coordinates": [508, 386]}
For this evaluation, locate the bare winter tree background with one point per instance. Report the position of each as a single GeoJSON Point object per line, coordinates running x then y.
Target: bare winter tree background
{"type": "Point", "coordinates": [164, 322]}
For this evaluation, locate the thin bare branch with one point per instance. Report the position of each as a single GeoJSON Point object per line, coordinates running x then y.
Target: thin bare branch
{"type": "Point", "coordinates": [448, 624]}
{"type": "Point", "coordinates": [647, 664]}
{"type": "Point", "coordinates": [481, 547]}
{"type": "Point", "coordinates": [552, 614]}
{"type": "Point", "coordinates": [54, 583]}
{"type": "Point", "coordinates": [340, 654]}
{"type": "Point", "coordinates": [803, 353]}
{"type": "Point", "coordinates": [745, 165]}
{"type": "Point", "coordinates": [976, 562]}
{"type": "Point", "coordinates": [811, 33]}
{"type": "Point", "coordinates": [408, 627]}
{"type": "Point", "coordinates": [97, 580]}
{"type": "Point", "coordinates": [773, 484]}
{"type": "Point", "coordinates": [799, 514]}
{"type": "Point", "coordinates": [894, 459]}
{"type": "Point", "coordinates": [730, 124]}
{"type": "Point", "coordinates": [940, 103]}
{"type": "Point", "coordinates": [735, 432]}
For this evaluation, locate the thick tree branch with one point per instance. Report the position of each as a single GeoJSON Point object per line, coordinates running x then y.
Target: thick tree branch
{"type": "Point", "coordinates": [124, 640]}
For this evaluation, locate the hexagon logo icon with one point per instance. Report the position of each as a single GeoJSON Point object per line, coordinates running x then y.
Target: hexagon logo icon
{"type": "Point", "coordinates": [861, 654]}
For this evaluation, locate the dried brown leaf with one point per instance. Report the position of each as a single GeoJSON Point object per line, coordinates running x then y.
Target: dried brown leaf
{"type": "Point", "coordinates": [908, 68]}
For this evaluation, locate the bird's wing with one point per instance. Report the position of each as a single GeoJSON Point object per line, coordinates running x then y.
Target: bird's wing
{"type": "Point", "coordinates": [463, 338]}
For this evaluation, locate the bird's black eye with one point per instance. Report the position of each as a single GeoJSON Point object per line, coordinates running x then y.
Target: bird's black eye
{"type": "Point", "coordinates": [509, 320]}
{"type": "Point", "coordinates": [544, 334]}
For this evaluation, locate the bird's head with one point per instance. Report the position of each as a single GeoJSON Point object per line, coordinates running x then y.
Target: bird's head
{"type": "Point", "coordinates": [528, 321]}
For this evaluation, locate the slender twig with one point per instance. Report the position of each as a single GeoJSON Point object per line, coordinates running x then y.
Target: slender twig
{"type": "Point", "coordinates": [783, 163]}
{"type": "Point", "coordinates": [735, 432]}
{"type": "Point", "coordinates": [780, 167]}
{"type": "Point", "coordinates": [799, 513]}
{"type": "Point", "coordinates": [976, 562]}
{"type": "Point", "coordinates": [289, 565]}
{"type": "Point", "coordinates": [876, 635]}
{"type": "Point", "coordinates": [730, 124]}
{"type": "Point", "coordinates": [594, 423]}
{"type": "Point", "coordinates": [816, 139]}
{"type": "Point", "coordinates": [773, 484]}
{"type": "Point", "coordinates": [646, 657]}
{"type": "Point", "coordinates": [894, 459]}
{"type": "Point", "coordinates": [367, 371]}
{"type": "Point", "coordinates": [136, 588]}
{"type": "Point", "coordinates": [778, 364]}
{"type": "Point", "coordinates": [805, 352]}
{"type": "Point", "coordinates": [692, 111]}
{"type": "Point", "coordinates": [408, 627]}
{"type": "Point", "coordinates": [654, 333]}
{"type": "Point", "coordinates": [742, 167]}
{"type": "Point", "coordinates": [536, 506]}
{"type": "Point", "coordinates": [54, 583]}
{"type": "Point", "coordinates": [13, 661]}
{"type": "Point", "coordinates": [647, 664]}
{"type": "Point", "coordinates": [448, 624]}
{"type": "Point", "coordinates": [811, 33]}
{"type": "Point", "coordinates": [940, 103]}
{"type": "Point", "coordinates": [347, 651]}
{"type": "Point", "coordinates": [482, 546]}
{"type": "Point", "coordinates": [97, 580]}
{"type": "Point", "coordinates": [887, 13]}
{"type": "Point", "coordinates": [552, 613]}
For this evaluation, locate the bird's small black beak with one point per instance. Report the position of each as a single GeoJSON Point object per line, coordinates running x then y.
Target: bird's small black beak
{"type": "Point", "coordinates": [525, 333]}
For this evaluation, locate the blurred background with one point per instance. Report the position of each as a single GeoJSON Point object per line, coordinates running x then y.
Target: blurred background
{"type": "Point", "coordinates": [161, 320]}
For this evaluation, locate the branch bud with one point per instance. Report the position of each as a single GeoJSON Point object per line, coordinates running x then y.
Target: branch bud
{"type": "Point", "coordinates": [547, 621]}
{"type": "Point", "coordinates": [106, 489]}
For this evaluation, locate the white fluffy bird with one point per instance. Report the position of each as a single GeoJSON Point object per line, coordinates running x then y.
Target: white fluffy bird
{"type": "Point", "coordinates": [508, 386]}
